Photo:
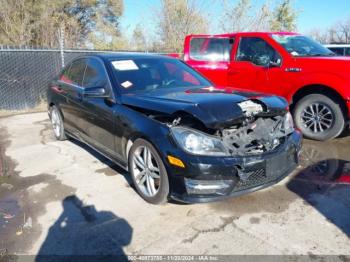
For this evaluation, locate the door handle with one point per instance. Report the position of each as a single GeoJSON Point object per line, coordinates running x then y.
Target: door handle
{"type": "Point", "coordinates": [79, 96]}
{"type": "Point", "coordinates": [57, 88]}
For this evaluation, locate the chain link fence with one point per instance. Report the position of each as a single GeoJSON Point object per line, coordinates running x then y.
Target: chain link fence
{"type": "Point", "coordinates": [26, 73]}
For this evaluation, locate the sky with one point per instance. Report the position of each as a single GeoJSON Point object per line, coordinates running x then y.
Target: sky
{"type": "Point", "coordinates": [313, 13]}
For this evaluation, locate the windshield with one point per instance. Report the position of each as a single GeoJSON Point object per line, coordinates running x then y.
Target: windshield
{"type": "Point", "coordinates": [149, 74]}
{"type": "Point", "coordinates": [298, 45]}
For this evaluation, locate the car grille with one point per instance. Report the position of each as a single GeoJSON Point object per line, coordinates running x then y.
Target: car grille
{"type": "Point", "coordinates": [257, 178]}
{"type": "Point", "coordinates": [273, 169]}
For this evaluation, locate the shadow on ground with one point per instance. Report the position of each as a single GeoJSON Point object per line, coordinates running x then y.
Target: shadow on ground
{"type": "Point", "coordinates": [112, 169]}
{"type": "Point", "coordinates": [86, 233]}
{"type": "Point", "coordinates": [324, 183]}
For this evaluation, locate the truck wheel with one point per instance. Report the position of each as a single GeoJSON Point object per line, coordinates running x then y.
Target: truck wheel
{"type": "Point", "coordinates": [319, 117]}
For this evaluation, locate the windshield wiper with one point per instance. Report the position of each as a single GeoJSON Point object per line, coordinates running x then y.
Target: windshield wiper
{"type": "Point", "coordinates": [329, 54]}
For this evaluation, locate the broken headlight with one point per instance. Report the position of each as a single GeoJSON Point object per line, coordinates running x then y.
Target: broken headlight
{"type": "Point", "coordinates": [288, 123]}
{"type": "Point", "coordinates": [198, 143]}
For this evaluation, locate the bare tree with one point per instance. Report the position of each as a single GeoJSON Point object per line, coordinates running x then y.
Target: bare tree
{"type": "Point", "coordinates": [337, 33]}
{"type": "Point", "coordinates": [237, 17]}
{"type": "Point", "coordinates": [261, 20]}
{"type": "Point", "coordinates": [242, 16]}
{"type": "Point", "coordinates": [15, 22]}
{"type": "Point", "coordinates": [139, 41]}
{"type": "Point", "coordinates": [37, 22]}
{"type": "Point", "coordinates": [319, 35]}
{"type": "Point", "coordinates": [342, 31]}
{"type": "Point", "coordinates": [284, 17]}
{"type": "Point", "coordinates": [176, 19]}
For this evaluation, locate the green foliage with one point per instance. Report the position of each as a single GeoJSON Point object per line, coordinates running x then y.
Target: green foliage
{"type": "Point", "coordinates": [284, 17]}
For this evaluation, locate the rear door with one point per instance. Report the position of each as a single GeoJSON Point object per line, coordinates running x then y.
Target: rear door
{"type": "Point", "coordinates": [210, 56]}
{"type": "Point", "coordinates": [70, 84]}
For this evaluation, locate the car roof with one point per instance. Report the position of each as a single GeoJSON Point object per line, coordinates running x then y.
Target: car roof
{"type": "Point", "coordinates": [127, 55]}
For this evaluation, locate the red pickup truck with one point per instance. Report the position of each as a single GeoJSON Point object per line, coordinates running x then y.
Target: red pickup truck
{"type": "Point", "coordinates": [312, 78]}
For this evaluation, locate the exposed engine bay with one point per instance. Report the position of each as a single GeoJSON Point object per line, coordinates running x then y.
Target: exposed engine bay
{"type": "Point", "coordinates": [259, 136]}
{"type": "Point", "coordinates": [255, 134]}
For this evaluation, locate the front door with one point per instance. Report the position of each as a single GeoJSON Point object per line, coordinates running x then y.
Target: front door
{"type": "Point", "coordinates": [100, 118]}
{"type": "Point", "coordinates": [256, 66]}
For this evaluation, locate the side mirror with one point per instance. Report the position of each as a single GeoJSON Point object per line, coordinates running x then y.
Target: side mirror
{"type": "Point", "coordinates": [95, 92]}
{"type": "Point", "coordinates": [276, 63]}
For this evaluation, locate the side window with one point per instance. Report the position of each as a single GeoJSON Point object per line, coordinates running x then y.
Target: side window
{"type": "Point", "coordinates": [95, 74]}
{"type": "Point", "coordinates": [64, 77]}
{"type": "Point", "coordinates": [257, 51]}
{"type": "Point", "coordinates": [211, 49]}
{"type": "Point", "coordinates": [76, 72]}
{"type": "Point", "coordinates": [347, 51]}
{"type": "Point", "coordinates": [337, 50]}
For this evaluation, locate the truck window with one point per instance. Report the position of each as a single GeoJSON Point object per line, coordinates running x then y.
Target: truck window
{"type": "Point", "coordinates": [257, 51]}
{"type": "Point", "coordinates": [211, 49]}
{"type": "Point", "coordinates": [347, 51]}
{"type": "Point", "coordinates": [337, 50]}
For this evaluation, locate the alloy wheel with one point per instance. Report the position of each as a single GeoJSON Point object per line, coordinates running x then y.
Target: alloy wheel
{"type": "Point", "coordinates": [317, 117]}
{"type": "Point", "coordinates": [56, 123]}
{"type": "Point", "coordinates": [146, 171]}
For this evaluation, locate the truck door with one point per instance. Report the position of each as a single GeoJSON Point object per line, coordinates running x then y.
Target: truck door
{"type": "Point", "coordinates": [210, 56]}
{"type": "Point", "coordinates": [255, 66]}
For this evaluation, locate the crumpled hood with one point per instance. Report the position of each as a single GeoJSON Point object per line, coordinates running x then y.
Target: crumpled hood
{"type": "Point", "coordinates": [215, 108]}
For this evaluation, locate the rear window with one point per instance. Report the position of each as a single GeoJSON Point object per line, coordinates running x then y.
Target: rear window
{"type": "Point", "coordinates": [211, 49]}
{"type": "Point", "coordinates": [74, 73]}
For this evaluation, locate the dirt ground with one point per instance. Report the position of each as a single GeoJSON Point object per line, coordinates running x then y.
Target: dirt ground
{"type": "Point", "coordinates": [64, 198]}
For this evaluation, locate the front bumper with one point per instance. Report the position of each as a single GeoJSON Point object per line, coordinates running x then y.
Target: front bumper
{"type": "Point", "coordinates": [233, 176]}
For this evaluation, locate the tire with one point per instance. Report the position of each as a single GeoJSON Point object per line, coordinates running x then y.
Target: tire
{"type": "Point", "coordinates": [152, 186]}
{"type": "Point", "coordinates": [319, 117]}
{"type": "Point", "coordinates": [57, 123]}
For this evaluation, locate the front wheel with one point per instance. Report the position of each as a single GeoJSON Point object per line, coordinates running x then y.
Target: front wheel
{"type": "Point", "coordinates": [319, 117]}
{"type": "Point", "coordinates": [148, 172]}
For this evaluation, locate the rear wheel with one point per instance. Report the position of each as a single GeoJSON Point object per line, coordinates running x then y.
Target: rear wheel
{"type": "Point", "coordinates": [319, 117]}
{"type": "Point", "coordinates": [57, 123]}
{"type": "Point", "coordinates": [148, 172]}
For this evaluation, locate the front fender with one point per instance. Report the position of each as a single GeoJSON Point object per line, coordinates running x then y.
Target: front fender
{"type": "Point", "coordinates": [337, 83]}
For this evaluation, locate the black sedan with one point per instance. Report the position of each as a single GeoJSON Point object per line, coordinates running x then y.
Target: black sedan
{"type": "Point", "coordinates": [177, 135]}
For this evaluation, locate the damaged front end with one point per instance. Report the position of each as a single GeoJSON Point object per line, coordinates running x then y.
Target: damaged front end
{"type": "Point", "coordinates": [253, 154]}
{"type": "Point", "coordinates": [227, 153]}
{"type": "Point", "coordinates": [257, 133]}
